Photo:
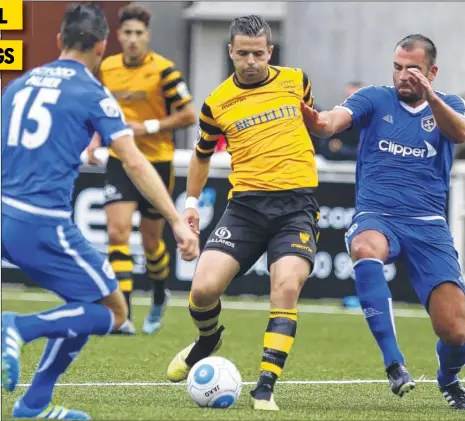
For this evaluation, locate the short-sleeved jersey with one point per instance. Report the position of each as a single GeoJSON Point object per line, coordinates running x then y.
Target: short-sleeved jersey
{"type": "Point", "coordinates": [49, 116]}
{"type": "Point", "coordinates": [404, 161]}
{"type": "Point", "coordinates": [152, 90]}
{"type": "Point", "coordinates": [270, 147]}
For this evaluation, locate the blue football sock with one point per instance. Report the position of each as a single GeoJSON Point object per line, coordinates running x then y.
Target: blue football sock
{"type": "Point", "coordinates": [376, 301]}
{"type": "Point", "coordinates": [67, 321]}
{"type": "Point", "coordinates": [451, 360]}
{"type": "Point", "coordinates": [58, 355]}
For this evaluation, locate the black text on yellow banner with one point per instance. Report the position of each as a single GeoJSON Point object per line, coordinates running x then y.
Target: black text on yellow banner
{"type": "Point", "coordinates": [11, 55]}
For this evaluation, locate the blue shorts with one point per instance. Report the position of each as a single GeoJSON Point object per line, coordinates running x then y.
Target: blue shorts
{"type": "Point", "coordinates": [426, 247]}
{"type": "Point", "coordinates": [55, 254]}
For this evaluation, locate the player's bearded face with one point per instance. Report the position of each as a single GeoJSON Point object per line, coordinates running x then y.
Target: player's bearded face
{"type": "Point", "coordinates": [250, 56]}
{"type": "Point", "coordinates": [403, 60]}
{"type": "Point", "coordinates": [134, 37]}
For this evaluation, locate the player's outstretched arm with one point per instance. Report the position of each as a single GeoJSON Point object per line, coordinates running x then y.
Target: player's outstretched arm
{"type": "Point", "coordinates": [326, 123]}
{"type": "Point", "coordinates": [197, 176]}
{"type": "Point", "coordinates": [148, 181]}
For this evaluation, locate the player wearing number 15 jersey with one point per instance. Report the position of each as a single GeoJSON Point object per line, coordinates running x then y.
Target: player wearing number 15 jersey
{"type": "Point", "coordinates": [49, 116]}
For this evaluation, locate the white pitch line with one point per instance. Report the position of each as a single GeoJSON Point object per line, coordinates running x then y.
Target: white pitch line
{"type": "Point", "coordinates": [231, 305]}
{"type": "Point", "coordinates": [159, 384]}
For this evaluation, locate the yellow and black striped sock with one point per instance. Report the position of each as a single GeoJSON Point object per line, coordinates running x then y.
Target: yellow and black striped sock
{"type": "Point", "coordinates": [157, 270]}
{"type": "Point", "coordinates": [122, 264]}
{"type": "Point", "coordinates": [277, 343]}
{"type": "Point", "coordinates": [206, 320]}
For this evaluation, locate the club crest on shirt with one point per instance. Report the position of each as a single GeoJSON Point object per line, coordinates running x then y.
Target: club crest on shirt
{"type": "Point", "coordinates": [428, 123]}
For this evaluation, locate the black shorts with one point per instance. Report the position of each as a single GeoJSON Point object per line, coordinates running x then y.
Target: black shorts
{"type": "Point", "coordinates": [120, 188]}
{"type": "Point", "coordinates": [279, 223]}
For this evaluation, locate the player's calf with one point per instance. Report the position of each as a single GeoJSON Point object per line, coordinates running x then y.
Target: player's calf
{"type": "Point", "coordinates": [447, 312]}
{"type": "Point", "coordinates": [122, 264]}
{"type": "Point", "coordinates": [214, 272]}
{"type": "Point", "coordinates": [157, 271]}
{"type": "Point", "coordinates": [287, 277]}
{"type": "Point", "coordinates": [205, 319]}
{"type": "Point", "coordinates": [369, 250]}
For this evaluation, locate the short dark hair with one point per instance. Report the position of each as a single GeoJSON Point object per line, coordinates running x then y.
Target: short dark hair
{"type": "Point", "coordinates": [411, 42]}
{"type": "Point", "coordinates": [252, 25]}
{"type": "Point", "coordinates": [133, 11]}
{"type": "Point", "coordinates": [83, 26]}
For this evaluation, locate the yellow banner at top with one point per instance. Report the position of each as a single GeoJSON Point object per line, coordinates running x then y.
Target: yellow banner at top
{"type": "Point", "coordinates": [11, 15]}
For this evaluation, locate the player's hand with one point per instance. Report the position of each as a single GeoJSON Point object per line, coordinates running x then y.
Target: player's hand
{"type": "Point", "coordinates": [138, 128]}
{"type": "Point", "coordinates": [95, 143]}
{"type": "Point", "coordinates": [188, 241]}
{"type": "Point", "coordinates": [311, 118]}
{"type": "Point", "coordinates": [418, 79]}
{"type": "Point", "coordinates": [192, 218]}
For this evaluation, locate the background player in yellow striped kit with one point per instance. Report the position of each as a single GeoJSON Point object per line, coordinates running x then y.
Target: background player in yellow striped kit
{"type": "Point", "coordinates": [155, 100]}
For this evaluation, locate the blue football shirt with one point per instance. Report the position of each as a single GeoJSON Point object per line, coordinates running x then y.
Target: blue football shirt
{"type": "Point", "coordinates": [404, 161]}
{"type": "Point", "coordinates": [49, 116]}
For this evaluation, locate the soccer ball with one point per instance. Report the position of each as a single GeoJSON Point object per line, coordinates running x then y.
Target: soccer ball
{"type": "Point", "coordinates": [214, 382]}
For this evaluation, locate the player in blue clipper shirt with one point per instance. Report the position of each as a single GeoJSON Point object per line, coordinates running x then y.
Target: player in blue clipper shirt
{"type": "Point", "coordinates": [49, 116]}
{"type": "Point", "coordinates": [408, 132]}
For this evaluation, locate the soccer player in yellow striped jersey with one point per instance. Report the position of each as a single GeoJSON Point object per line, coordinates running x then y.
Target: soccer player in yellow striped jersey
{"type": "Point", "coordinates": [271, 204]}
{"type": "Point", "coordinates": [155, 101]}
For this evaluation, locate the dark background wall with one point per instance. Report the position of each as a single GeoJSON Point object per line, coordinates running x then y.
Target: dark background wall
{"type": "Point", "coordinates": [42, 23]}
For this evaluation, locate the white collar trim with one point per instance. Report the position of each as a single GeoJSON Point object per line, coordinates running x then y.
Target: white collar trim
{"type": "Point", "coordinates": [414, 110]}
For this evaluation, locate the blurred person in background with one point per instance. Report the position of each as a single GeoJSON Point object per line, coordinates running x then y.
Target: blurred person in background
{"type": "Point", "coordinates": [343, 146]}
{"type": "Point", "coordinates": [155, 100]}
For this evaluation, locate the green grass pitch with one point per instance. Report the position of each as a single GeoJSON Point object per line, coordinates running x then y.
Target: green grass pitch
{"type": "Point", "coordinates": [125, 376]}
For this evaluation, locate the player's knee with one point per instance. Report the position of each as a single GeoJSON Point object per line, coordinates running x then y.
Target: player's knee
{"type": "Point", "coordinates": [204, 294]}
{"type": "Point", "coordinates": [285, 291]}
{"type": "Point", "coordinates": [151, 245]}
{"type": "Point", "coordinates": [453, 333]}
{"type": "Point", "coordinates": [363, 249]}
{"type": "Point", "coordinates": [118, 234]}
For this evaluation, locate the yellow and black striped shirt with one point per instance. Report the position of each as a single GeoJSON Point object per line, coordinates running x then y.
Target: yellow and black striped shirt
{"type": "Point", "coordinates": [269, 144]}
{"type": "Point", "coordinates": [149, 91]}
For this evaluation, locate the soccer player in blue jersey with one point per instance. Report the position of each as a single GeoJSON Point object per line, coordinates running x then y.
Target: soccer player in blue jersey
{"type": "Point", "coordinates": [408, 132]}
{"type": "Point", "coordinates": [49, 116]}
